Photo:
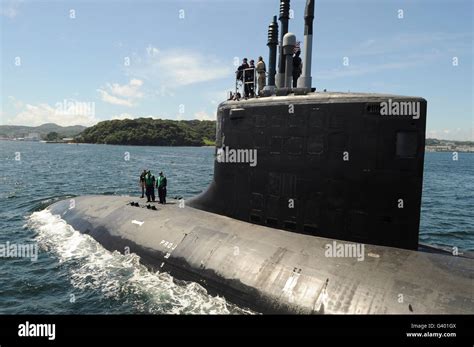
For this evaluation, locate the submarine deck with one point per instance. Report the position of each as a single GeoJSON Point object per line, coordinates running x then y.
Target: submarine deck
{"type": "Point", "coordinates": [321, 97]}
{"type": "Point", "coordinates": [271, 270]}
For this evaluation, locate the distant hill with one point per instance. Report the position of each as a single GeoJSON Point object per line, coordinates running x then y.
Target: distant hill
{"type": "Point", "coordinates": [151, 132]}
{"type": "Point", "coordinates": [437, 142]}
{"type": "Point", "coordinates": [436, 145]}
{"type": "Point", "coordinates": [13, 131]}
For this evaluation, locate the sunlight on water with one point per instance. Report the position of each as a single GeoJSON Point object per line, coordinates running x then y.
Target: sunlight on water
{"type": "Point", "coordinates": [121, 276]}
{"type": "Point", "coordinates": [105, 282]}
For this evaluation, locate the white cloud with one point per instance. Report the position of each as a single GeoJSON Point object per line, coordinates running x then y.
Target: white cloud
{"type": "Point", "coordinates": [457, 134]}
{"type": "Point", "coordinates": [124, 95]}
{"type": "Point", "coordinates": [10, 8]}
{"type": "Point", "coordinates": [190, 69]}
{"type": "Point", "coordinates": [177, 67]}
{"type": "Point", "coordinates": [130, 90]}
{"type": "Point", "coordinates": [34, 115]}
{"type": "Point", "coordinates": [201, 115]}
{"type": "Point", "coordinates": [106, 97]}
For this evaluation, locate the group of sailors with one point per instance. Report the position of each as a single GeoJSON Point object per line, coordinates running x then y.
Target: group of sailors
{"type": "Point", "coordinates": [246, 75]}
{"type": "Point", "coordinates": [148, 184]}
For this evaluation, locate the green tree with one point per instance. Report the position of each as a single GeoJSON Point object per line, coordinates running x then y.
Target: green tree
{"type": "Point", "coordinates": [151, 132]}
{"type": "Point", "coordinates": [52, 136]}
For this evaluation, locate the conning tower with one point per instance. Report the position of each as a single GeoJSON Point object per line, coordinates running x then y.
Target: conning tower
{"type": "Point", "coordinates": [346, 166]}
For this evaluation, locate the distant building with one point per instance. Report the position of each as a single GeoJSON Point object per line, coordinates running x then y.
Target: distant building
{"type": "Point", "coordinates": [32, 137]}
{"type": "Point", "coordinates": [438, 148]}
{"type": "Point", "coordinates": [68, 139]}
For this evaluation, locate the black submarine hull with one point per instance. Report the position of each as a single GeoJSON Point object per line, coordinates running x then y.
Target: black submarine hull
{"type": "Point", "coordinates": [328, 164]}
{"type": "Point", "coordinates": [271, 270]}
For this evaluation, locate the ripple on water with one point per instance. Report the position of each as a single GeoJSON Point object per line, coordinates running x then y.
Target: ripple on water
{"type": "Point", "coordinates": [48, 173]}
{"type": "Point", "coordinates": [122, 277]}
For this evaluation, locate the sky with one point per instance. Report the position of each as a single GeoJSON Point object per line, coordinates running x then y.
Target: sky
{"type": "Point", "coordinates": [81, 62]}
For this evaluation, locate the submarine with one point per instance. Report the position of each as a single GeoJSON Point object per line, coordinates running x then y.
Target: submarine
{"type": "Point", "coordinates": [324, 221]}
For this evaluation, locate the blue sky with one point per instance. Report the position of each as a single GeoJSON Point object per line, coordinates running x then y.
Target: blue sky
{"type": "Point", "coordinates": [175, 59]}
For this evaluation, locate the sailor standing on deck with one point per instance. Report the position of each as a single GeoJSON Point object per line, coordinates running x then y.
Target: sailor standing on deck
{"type": "Point", "coordinates": [250, 79]}
{"type": "Point", "coordinates": [240, 75]}
{"type": "Point", "coordinates": [150, 186]}
{"type": "Point", "coordinates": [161, 183]}
{"type": "Point", "coordinates": [142, 182]}
{"type": "Point", "coordinates": [297, 67]}
{"type": "Point", "coordinates": [261, 70]}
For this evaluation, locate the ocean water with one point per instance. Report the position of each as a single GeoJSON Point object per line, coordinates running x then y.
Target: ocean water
{"type": "Point", "coordinates": [75, 274]}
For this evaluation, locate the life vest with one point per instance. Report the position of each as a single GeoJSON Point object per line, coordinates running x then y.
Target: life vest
{"type": "Point", "coordinates": [161, 181]}
{"type": "Point", "coordinates": [149, 180]}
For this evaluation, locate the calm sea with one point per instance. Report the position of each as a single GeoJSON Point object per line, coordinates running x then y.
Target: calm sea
{"type": "Point", "coordinates": [74, 274]}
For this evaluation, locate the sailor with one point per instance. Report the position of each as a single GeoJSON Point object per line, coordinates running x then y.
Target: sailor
{"type": "Point", "coordinates": [150, 186]}
{"type": "Point", "coordinates": [237, 96]}
{"type": "Point", "coordinates": [261, 70]}
{"type": "Point", "coordinates": [161, 183]}
{"type": "Point", "coordinates": [250, 79]}
{"type": "Point", "coordinates": [240, 72]}
{"type": "Point", "coordinates": [297, 67]}
{"type": "Point", "coordinates": [240, 69]}
{"type": "Point", "coordinates": [142, 182]}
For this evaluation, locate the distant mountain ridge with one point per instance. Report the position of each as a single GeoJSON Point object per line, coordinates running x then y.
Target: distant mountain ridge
{"type": "Point", "coordinates": [13, 131]}
{"type": "Point", "coordinates": [191, 132]}
{"type": "Point", "coordinates": [436, 142]}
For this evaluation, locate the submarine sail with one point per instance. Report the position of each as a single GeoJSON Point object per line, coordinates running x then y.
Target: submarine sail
{"type": "Point", "coordinates": [329, 164]}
